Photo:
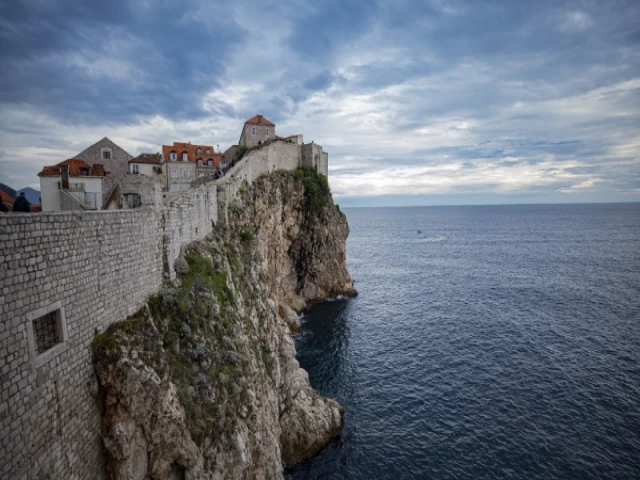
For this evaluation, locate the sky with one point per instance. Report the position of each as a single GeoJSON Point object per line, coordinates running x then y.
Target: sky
{"type": "Point", "coordinates": [429, 102]}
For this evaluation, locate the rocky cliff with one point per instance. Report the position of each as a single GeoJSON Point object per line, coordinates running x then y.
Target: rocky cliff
{"type": "Point", "coordinates": [203, 382]}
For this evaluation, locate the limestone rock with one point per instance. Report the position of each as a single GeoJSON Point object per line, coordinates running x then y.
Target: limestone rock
{"type": "Point", "coordinates": [290, 317]}
{"type": "Point", "coordinates": [204, 384]}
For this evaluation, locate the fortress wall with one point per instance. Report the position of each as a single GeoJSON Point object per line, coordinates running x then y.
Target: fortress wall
{"type": "Point", "coordinates": [97, 267]}
{"type": "Point", "coordinates": [94, 268]}
{"type": "Point", "coordinates": [187, 216]}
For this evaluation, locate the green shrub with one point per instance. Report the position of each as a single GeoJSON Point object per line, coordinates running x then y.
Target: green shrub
{"type": "Point", "coordinates": [240, 152]}
{"type": "Point", "coordinates": [316, 187]}
{"type": "Point", "coordinates": [104, 344]}
{"type": "Point", "coordinates": [246, 235]}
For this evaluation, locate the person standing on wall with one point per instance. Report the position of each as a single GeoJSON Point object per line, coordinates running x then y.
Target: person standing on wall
{"type": "Point", "coordinates": [21, 204]}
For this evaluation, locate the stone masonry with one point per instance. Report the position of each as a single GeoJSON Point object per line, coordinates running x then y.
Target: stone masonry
{"type": "Point", "coordinates": [100, 266]}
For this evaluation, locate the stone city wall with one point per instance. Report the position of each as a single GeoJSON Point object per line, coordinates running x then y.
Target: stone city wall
{"type": "Point", "coordinates": [187, 216]}
{"type": "Point", "coordinates": [88, 270]}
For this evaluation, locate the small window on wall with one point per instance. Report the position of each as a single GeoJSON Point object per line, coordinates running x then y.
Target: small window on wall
{"type": "Point", "coordinates": [199, 151]}
{"type": "Point", "coordinates": [207, 151]}
{"type": "Point", "coordinates": [266, 132]}
{"type": "Point", "coordinates": [185, 157]}
{"type": "Point", "coordinates": [185, 173]}
{"type": "Point", "coordinates": [210, 163]}
{"type": "Point", "coordinates": [132, 200]}
{"type": "Point", "coordinates": [173, 156]}
{"type": "Point", "coordinates": [200, 161]}
{"type": "Point", "coordinates": [253, 130]}
{"type": "Point", "coordinates": [174, 173]}
{"type": "Point", "coordinates": [106, 154]}
{"type": "Point", "coordinates": [134, 168]}
{"type": "Point", "coordinates": [47, 333]}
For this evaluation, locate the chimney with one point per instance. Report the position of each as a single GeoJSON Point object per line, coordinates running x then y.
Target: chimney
{"type": "Point", "coordinates": [218, 148]}
{"type": "Point", "coordinates": [64, 174]}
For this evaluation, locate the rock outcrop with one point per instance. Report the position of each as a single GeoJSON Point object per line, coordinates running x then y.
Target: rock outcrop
{"type": "Point", "coordinates": [203, 383]}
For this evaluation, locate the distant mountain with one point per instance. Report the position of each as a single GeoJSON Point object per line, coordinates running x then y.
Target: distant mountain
{"type": "Point", "coordinates": [32, 195]}
{"type": "Point", "coordinates": [9, 191]}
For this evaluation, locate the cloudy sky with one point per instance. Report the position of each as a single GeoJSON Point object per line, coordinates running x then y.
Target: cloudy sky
{"type": "Point", "coordinates": [418, 102]}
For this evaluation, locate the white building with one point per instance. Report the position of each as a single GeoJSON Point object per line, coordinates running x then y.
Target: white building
{"type": "Point", "coordinates": [72, 185]}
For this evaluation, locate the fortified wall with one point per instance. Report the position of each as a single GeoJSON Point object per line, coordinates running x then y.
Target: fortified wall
{"type": "Point", "coordinates": [66, 276]}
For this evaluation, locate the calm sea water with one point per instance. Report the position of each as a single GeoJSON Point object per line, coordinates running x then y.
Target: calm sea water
{"type": "Point", "coordinates": [496, 342]}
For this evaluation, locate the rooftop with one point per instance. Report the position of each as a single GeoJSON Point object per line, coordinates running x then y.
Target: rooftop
{"type": "Point", "coordinates": [260, 120]}
{"type": "Point", "coordinates": [76, 168]}
{"type": "Point", "coordinates": [154, 158]}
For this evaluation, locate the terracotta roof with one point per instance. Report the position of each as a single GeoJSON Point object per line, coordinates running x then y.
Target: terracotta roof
{"type": "Point", "coordinates": [260, 120]}
{"type": "Point", "coordinates": [75, 167]}
{"type": "Point", "coordinates": [6, 198]}
{"type": "Point", "coordinates": [154, 158]}
{"type": "Point", "coordinates": [192, 152]}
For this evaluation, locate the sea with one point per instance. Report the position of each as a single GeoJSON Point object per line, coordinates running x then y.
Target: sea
{"type": "Point", "coordinates": [486, 342]}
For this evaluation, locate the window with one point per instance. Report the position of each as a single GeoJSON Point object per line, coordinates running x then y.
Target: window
{"type": "Point", "coordinates": [47, 333]}
{"type": "Point", "coordinates": [266, 132]}
{"type": "Point", "coordinates": [173, 156]}
{"type": "Point", "coordinates": [199, 161]}
{"type": "Point", "coordinates": [207, 151]}
{"type": "Point", "coordinates": [106, 154]}
{"type": "Point", "coordinates": [174, 173]}
{"type": "Point", "coordinates": [84, 171]}
{"type": "Point", "coordinates": [134, 168]}
{"type": "Point", "coordinates": [185, 173]}
{"type": "Point", "coordinates": [132, 200]}
{"type": "Point", "coordinates": [185, 157]}
{"type": "Point", "coordinates": [253, 130]}
{"type": "Point", "coordinates": [210, 163]}
{"type": "Point", "coordinates": [199, 151]}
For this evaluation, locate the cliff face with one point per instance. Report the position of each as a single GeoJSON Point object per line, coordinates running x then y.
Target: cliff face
{"type": "Point", "coordinates": [203, 383]}
{"type": "Point", "coordinates": [300, 236]}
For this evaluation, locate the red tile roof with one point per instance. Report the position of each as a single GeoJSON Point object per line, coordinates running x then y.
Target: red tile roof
{"type": "Point", "coordinates": [192, 153]}
{"type": "Point", "coordinates": [6, 198]}
{"type": "Point", "coordinates": [75, 166]}
{"type": "Point", "coordinates": [154, 158]}
{"type": "Point", "coordinates": [260, 120]}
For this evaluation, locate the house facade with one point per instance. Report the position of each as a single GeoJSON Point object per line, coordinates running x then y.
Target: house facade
{"type": "Point", "coordinates": [257, 130]}
{"type": "Point", "coordinates": [105, 152]}
{"type": "Point", "coordinates": [72, 185]}
{"type": "Point", "coordinates": [150, 164]}
{"type": "Point", "coordinates": [185, 162]}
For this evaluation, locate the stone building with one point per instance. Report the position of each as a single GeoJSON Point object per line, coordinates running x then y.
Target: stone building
{"type": "Point", "coordinates": [150, 164]}
{"type": "Point", "coordinates": [72, 185]}
{"type": "Point", "coordinates": [114, 158]}
{"type": "Point", "coordinates": [185, 162]}
{"type": "Point", "coordinates": [257, 130]}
